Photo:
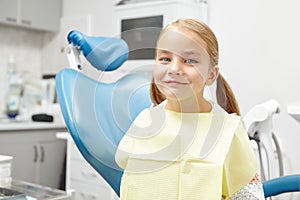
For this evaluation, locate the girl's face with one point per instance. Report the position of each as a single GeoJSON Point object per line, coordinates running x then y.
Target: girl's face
{"type": "Point", "coordinates": [182, 65]}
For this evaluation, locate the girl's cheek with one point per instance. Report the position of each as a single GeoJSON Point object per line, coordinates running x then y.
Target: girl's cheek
{"type": "Point", "coordinates": [157, 75]}
{"type": "Point", "coordinates": [159, 70]}
{"type": "Point", "coordinates": [202, 71]}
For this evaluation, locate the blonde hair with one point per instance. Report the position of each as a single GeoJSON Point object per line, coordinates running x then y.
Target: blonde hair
{"type": "Point", "coordinates": [225, 96]}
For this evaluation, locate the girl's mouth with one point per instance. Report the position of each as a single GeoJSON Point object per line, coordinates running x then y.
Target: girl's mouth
{"type": "Point", "coordinates": [175, 83]}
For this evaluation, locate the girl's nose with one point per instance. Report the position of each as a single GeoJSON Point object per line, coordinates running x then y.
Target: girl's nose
{"type": "Point", "coordinates": [176, 67]}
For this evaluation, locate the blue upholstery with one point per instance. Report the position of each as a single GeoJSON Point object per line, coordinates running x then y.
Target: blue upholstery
{"type": "Point", "coordinates": [97, 114]}
{"type": "Point", "coordinates": [104, 53]}
{"type": "Point", "coordinates": [283, 184]}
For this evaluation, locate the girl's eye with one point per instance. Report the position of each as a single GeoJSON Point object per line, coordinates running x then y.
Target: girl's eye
{"type": "Point", "coordinates": [190, 61]}
{"type": "Point", "coordinates": [164, 59]}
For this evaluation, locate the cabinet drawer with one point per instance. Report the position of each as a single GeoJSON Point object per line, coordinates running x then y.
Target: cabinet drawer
{"type": "Point", "coordinates": [85, 191]}
{"type": "Point", "coordinates": [81, 170]}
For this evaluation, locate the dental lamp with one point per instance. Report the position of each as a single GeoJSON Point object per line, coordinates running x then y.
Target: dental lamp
{"type": "Point", "coordinates": [259, 125]}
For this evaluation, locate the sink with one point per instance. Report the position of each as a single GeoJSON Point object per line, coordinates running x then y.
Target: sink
{"type": "Point", "coordinates": [294, 111]}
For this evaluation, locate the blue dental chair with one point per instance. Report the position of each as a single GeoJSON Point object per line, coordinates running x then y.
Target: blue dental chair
{"type": "Point", "coordinates": [98, 114]}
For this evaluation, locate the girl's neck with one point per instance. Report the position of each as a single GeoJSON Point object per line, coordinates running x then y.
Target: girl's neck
{"type": "Point", "coordinates": [189, 106]}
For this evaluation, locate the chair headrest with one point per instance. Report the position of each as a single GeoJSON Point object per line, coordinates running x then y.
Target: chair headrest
{"type": "Point", "coordinates": [104, 53]}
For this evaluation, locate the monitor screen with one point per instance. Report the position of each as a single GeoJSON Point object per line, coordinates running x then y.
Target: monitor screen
{"type": "Point", "coordinates": [141, 35]}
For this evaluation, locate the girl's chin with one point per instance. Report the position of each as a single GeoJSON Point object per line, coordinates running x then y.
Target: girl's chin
{"type": "Point", "coordinates": [178, 94]}
{"type": "Point", "coordinates": [179, 97]}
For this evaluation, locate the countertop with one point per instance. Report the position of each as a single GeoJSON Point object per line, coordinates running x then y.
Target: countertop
{"type": "Point", "coordinates": [10, 125]}
{"type": "Point", "coordinates": [24, 122]}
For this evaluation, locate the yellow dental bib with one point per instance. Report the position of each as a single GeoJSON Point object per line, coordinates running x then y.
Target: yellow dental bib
{"type": "Point", "coordinates": [184, 156]}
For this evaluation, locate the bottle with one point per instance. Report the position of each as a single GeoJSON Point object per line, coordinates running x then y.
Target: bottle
{"type": "Point", "coordinates": [14, 89]}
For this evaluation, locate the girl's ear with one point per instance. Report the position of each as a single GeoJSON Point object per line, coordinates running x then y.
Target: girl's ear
{"type": "Point", "coordinates": [212, 75]}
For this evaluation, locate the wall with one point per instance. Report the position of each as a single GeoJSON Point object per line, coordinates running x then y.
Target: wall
{"type": "Point", "coordinates": [259, 47]}
{"type": "Point", "coordinates": [100, 10]}
{"type": "Point", "coordinates": [25, 45]}
{"type": "Point", "coordinates": [91, 17]}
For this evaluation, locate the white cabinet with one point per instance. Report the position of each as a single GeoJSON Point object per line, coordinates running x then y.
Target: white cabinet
{"type": "Point", "coordinates": [82, 178]}
{"type": "Point", "coordinates": [38, 156]}
{"type": "Point", "coordinates": [9, 11]}
{"type": "Point", "coordinates": [37, 14]}
{"type": "Point", "coordinates": [86, 181]}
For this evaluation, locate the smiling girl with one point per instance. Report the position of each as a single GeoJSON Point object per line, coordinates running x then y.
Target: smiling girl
{"type": "Point", "coordinates": [186, 147]}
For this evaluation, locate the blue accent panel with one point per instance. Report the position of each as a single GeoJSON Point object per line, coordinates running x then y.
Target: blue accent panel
{"type": "Point", "coordinates": [283, 184]}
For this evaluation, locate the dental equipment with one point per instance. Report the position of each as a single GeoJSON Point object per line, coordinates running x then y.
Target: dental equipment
{"type": "Point", "coordinates": [98, 114]}
{"type": "Point", "coordinates": [259, 124]}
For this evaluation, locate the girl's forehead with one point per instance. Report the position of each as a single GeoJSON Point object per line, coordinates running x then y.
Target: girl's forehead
{"type": "Point", "coordinates": [181, 41]}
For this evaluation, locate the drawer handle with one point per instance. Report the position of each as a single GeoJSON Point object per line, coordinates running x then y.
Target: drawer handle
{"type": "Point", "coordinates": [9, 19]}
{"type": "Point", "coordinates": [88, 197]}
{"type": "Point", "coordinates": [88, 175]}
{"type": "Point", "coordinates": [43, 154]}
{"type": "Point", "coordinates": [35, 154]}
{"type": "Point", "coordinates": [27, 22]}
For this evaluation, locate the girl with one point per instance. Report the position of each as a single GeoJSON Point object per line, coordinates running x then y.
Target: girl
{"type": "Point", "coordinates": [187, 147]}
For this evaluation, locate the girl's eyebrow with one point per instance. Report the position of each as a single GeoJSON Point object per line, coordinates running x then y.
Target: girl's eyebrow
{"type": "Point", "coordinates": [163, 51]}
{"type": "Point", "coordinates": [190, 52]}
{"type": "Point", "coordinates": [184, 53]}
